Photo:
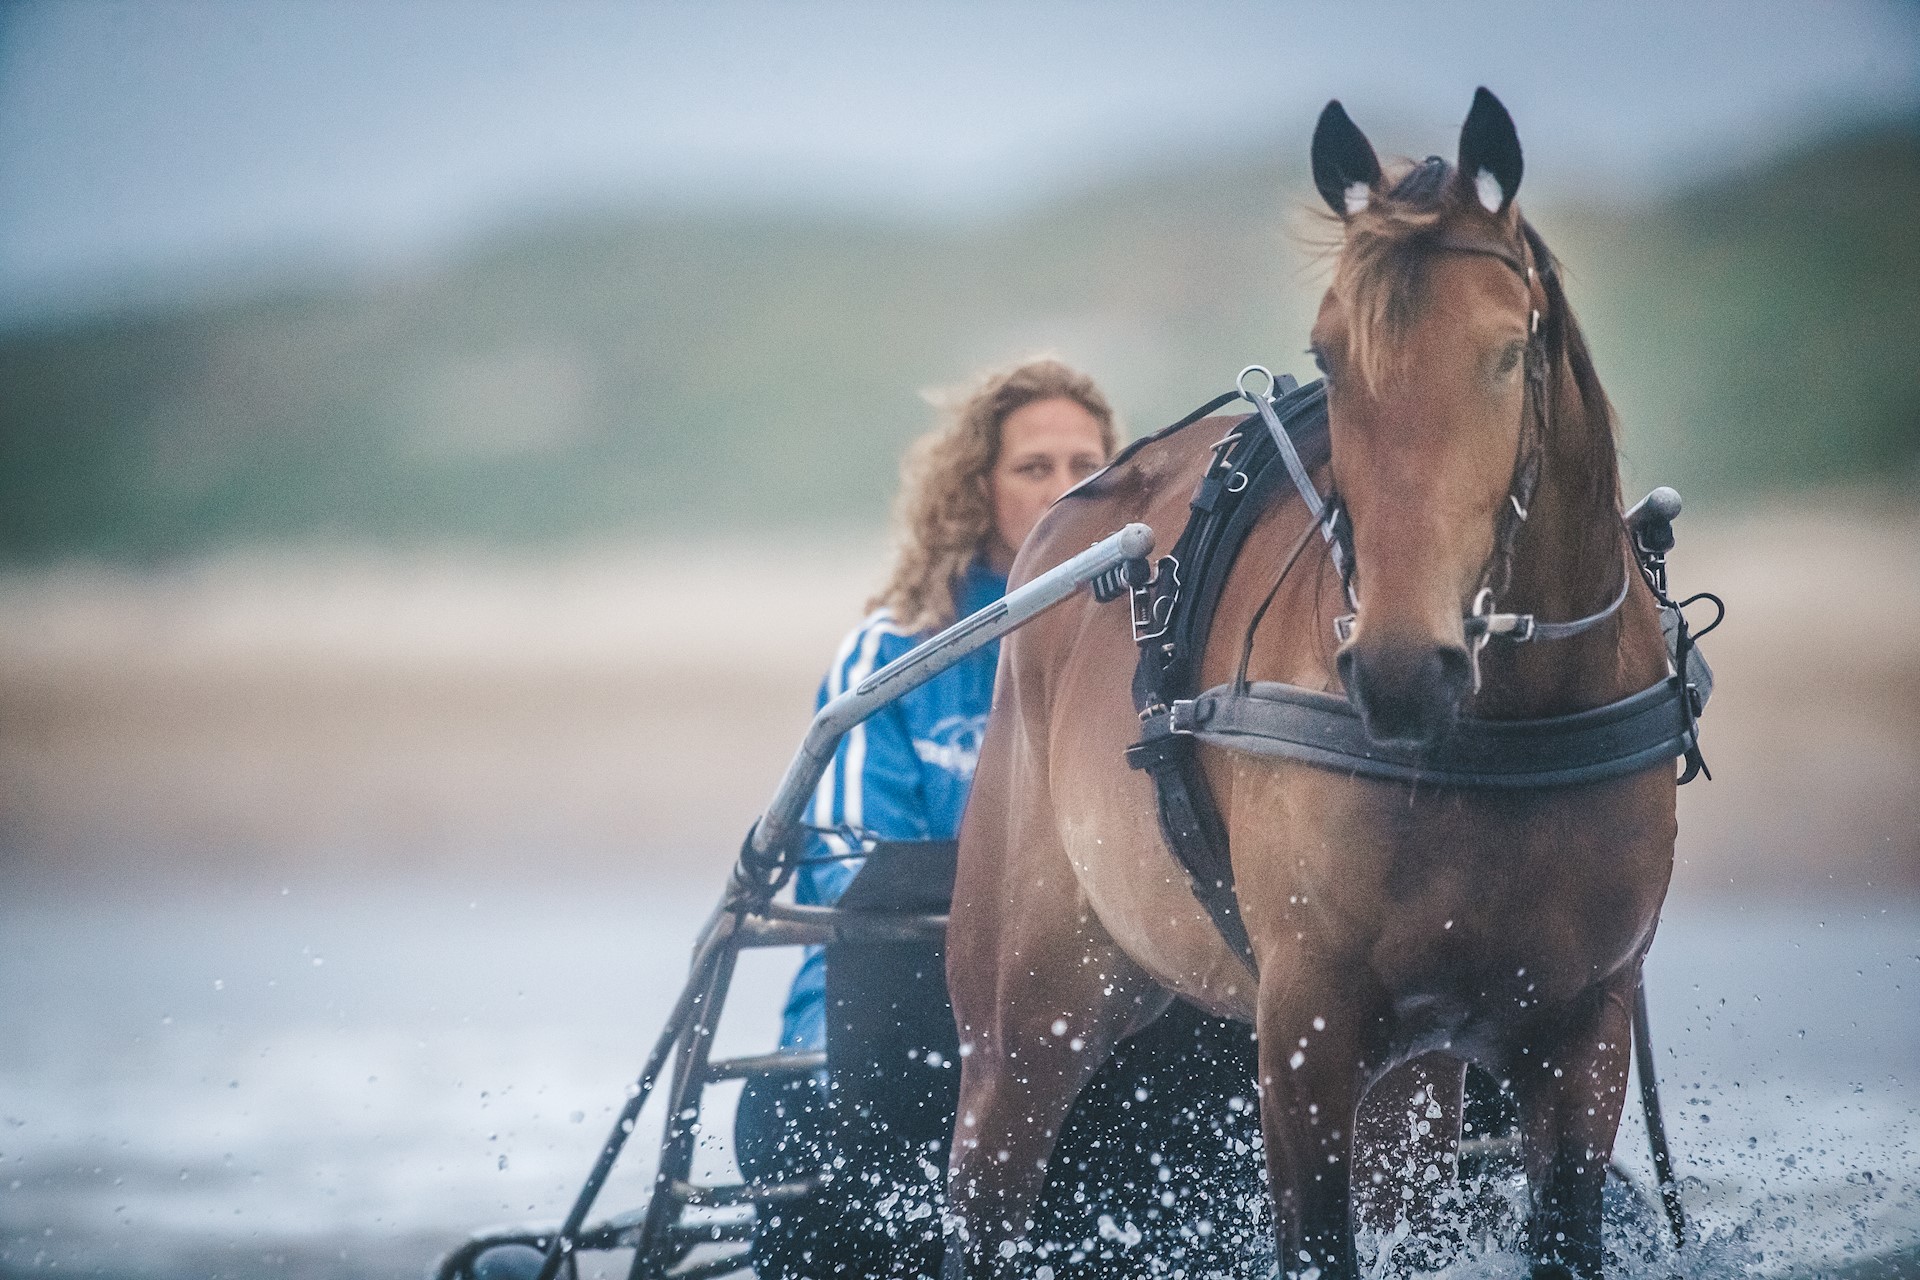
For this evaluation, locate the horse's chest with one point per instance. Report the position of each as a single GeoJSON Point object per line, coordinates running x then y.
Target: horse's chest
{"type": "Point", "coordinates": [1428, 890]}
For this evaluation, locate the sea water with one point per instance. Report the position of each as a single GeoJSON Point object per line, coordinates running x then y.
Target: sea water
{"type": "Point", "coordinates": [345, 1080]}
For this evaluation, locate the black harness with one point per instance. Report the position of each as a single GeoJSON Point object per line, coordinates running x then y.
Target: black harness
{"type": "Point", "coordinates": [1175, 599]}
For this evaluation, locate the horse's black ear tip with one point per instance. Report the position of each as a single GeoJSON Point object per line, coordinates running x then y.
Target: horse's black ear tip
{"type": "Point", "coordinates": [1333, 121]}
{"type": "Point", "coordinates": [1488, 111]}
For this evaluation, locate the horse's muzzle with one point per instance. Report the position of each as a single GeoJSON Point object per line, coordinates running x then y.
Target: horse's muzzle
{"type": "Point", "coordinates": [1405, 692]}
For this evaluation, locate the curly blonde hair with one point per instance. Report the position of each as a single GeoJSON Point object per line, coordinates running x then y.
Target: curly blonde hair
{"type": "Point", "coordinates": [945, 511]}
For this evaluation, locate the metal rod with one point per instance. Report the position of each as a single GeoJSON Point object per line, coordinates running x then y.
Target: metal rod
{"type": "Point", "coordinates": [1650, 1111]}
{"type": "Point", "coordinates": [720, 1231]}
{"type": "Point", "coordinates": [767, 1064]}
{"type": "Point", "coordinates": [791, 922]}
{"type": "Point", "coordinates": [706, 952]}
{"type": "Point", "coordinates": [780, 823]}
{"type": "Point", "coordinates": [728, 1195]}
{"type": "Point", "coordinates": [655, 1250]}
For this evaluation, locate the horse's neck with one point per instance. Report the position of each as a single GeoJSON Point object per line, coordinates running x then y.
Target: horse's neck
{"type": "Point", "coordinates": [1568, 561]}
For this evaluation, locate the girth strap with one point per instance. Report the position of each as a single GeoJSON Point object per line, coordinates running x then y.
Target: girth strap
{"type": "Point", "coordinates": [1246, 473]}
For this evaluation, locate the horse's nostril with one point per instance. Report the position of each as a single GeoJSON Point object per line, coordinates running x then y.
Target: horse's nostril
{"type": "Point", "coordinates": [1453, 669]}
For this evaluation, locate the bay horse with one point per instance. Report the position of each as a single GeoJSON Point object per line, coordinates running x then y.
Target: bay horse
{"type": "Point", "coordinates": [1389, 923]}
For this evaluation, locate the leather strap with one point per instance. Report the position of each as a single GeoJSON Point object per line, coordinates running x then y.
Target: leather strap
{"type": "Point", "coordinates": [1320, 729]}
{"type": "Point", "coordinates": [1241, 481]}
{"type": "Point", "coordinates": [1282, 721]}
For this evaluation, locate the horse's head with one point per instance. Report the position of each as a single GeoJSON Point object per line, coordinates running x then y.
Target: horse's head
{"type": "Point", "coordinates": [1426, 339]}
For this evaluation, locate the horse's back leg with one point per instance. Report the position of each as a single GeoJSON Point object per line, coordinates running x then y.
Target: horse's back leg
{"type": "Point", "coordinates": [1571, 1084]}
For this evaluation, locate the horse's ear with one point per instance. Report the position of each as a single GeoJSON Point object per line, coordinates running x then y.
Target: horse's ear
{"type": "Point", "coordinates": [1490, 163]}
{"type": "Point", "coordinates": [1344, 166]}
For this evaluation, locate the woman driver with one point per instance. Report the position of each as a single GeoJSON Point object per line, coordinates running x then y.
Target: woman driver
{"type": "Point", "coordinates": [973, 490]}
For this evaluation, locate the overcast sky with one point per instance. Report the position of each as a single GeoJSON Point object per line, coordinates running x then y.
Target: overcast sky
{"type": "Point", "coordinates": [157, 140]}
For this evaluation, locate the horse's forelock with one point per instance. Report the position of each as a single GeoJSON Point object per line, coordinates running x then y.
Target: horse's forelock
{"type": "Point", "coordinates": [1381, 273]}
{"type": "Point", "coordinates": [1422, 185]}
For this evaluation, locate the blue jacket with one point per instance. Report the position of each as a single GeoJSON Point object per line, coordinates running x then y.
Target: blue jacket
{"type": "Point", "coordinates": [903, 775]}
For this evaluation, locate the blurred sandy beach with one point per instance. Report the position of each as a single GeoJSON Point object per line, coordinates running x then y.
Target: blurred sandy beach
{"type": "Point", "coordinates": [629, 709]}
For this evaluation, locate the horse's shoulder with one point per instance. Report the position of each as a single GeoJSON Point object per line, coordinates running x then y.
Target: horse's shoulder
{"type": "Point", "coordinates": [1144, 466]}
{"type": "Point", "coordinates": [1127, 489]}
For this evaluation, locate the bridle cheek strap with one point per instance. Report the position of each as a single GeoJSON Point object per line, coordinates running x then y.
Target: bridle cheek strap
{"type": "Point", "coordinates": [1481, 622]}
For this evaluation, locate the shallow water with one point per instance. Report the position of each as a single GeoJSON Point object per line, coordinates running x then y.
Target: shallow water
{"type": "Point", "coordinates": [344, 1082]}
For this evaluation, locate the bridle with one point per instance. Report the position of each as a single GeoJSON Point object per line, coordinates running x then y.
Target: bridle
{"type": "Point", "coordinates": [1482, 623]}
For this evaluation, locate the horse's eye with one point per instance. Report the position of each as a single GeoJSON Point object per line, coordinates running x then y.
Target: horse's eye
{"type": "Point", "coordinates": [1510, 358]}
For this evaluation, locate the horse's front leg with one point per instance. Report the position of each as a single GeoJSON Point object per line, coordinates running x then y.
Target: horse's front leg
{"type": "Point", "coordinates": [1032, 1033]}
{"type": "Point", "coordinates": [1315, 1041]}
{"type": "Point", "coordinates": [1570, 1084]}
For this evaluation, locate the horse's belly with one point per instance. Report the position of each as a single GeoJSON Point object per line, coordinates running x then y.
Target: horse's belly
{"type": "Point", "coordinates": [1144, 899]}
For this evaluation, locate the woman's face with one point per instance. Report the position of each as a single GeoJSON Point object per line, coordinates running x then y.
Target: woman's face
{"type": "Point", "coordinates": [1046, 447]}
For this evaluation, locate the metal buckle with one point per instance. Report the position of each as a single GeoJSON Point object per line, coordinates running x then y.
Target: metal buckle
{"type": "Point", "coordinates": [1343, 628]}
{"type": "Point", "coordinates": [1482, 608]}
{"type": "Point", "coordinates": [1653, 567]}
{"type": "Point", "coordinates": [1153, 608]}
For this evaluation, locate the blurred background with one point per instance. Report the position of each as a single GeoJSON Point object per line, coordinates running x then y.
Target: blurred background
{"type": "Point", "coordinates": [441, 445]}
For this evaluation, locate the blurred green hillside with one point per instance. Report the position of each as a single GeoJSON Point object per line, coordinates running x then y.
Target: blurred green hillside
{"type": "Point", "coordinates": [629, 374]}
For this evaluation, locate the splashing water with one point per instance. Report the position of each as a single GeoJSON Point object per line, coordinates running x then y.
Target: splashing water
{"type": "Point", "coordinates": [345, 1109]}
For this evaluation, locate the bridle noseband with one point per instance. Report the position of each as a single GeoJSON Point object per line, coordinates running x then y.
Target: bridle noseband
{"type": "Point", "coordinates": [1482, 623]}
